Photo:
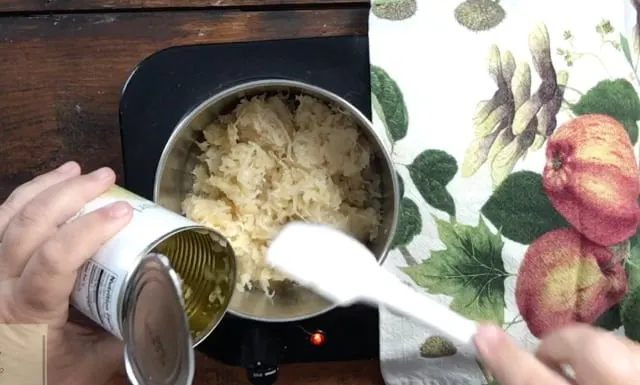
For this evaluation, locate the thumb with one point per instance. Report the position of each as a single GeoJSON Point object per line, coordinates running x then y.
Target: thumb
{"type": "Point", "coordinates": [510, 364]}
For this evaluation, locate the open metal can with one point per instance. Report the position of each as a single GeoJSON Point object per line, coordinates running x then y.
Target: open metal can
{"type": "Point", "coordinates": [161, 285]}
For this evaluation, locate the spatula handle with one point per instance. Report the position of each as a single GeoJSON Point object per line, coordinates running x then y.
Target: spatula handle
{"type": "Point", "coordinates": [396, 295]}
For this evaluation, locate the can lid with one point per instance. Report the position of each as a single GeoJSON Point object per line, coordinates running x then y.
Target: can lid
{"type": "Point", "coordinates": [158, 347]}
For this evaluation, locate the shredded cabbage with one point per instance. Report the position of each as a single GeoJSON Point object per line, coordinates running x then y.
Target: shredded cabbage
{"type": "Point", "coordinates": [275, 159]}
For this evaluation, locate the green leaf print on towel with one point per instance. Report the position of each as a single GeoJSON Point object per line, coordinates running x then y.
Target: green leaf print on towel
{"type": "Point", "coordinates": [630, 308]}
{"type": "Point", "coordinates": [409, 223]}
{"type": "Point", "coordinates": [409, 220]}
{"type": "Point", "coordinates": [436, 347]}
{"type": "Point", "coordinates": [479, 15]}
{"type": "Point", "coordinates": [470, 270]}
{"type": "Point", "coordinates": [431, 172]}
{"type": "Point", "coordinates": [626, 50]}
{"type": "Point", "coordinates": [521, 209]}
{"type": "Point", "coordinates": [388, 103]}
{"type": "Point", "coordinates": [394, 9]}
{"type": "Point", "coordinates": [632, 264]}
{"type": "Point", "coordinates": [610, 320]}
{"type": "Point", "coordinates": [515, 120]}
{"type": "Point", "coordinates": [613, 97]}
{"type": "Point", "coordinates": [616, 98]}
{"type": "Point", "coordinates": [630, 314]}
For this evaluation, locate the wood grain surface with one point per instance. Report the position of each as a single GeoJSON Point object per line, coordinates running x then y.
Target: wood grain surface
{"type": "Point", "coordinates": [61, 74]}
{"type": "Point", "coordinates": [68, 5]}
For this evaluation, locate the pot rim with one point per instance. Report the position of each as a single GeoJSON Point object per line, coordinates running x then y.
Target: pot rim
{"type": "Point", "coordinates": [304, 88]}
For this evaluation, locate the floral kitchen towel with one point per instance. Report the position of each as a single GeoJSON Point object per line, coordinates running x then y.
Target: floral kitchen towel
{"type": "Point", "coordinates": [514, 128]}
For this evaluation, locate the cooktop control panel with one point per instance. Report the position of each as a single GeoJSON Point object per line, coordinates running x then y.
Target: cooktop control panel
{"type": "Point", "coordinates": [340, 335]}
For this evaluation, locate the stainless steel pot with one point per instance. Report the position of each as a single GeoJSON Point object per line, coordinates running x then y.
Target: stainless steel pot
{"type": "Point", "coordinates": [174, 180]}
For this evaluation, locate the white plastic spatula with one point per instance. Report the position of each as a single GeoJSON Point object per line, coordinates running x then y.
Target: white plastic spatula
{"type": "Point", "coordinates": [343, 270]}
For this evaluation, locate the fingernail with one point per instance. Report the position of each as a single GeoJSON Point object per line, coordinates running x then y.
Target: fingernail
{"type": "Point", "coordinates": [102, 173]}
{"type": "Point", "coordinates": [67, 167]}
{"type": "Point", "coordinates": [119, 209]}
{"type": "Point", "coordinates": [488, 337]}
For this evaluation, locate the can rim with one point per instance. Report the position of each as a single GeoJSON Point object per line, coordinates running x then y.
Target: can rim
{"type": "Point", "coordinates": [158, 241]}
{"type": "Point", "coordinates": [153, 305]}
{"type": "Point", "coordinates": [212, 233]}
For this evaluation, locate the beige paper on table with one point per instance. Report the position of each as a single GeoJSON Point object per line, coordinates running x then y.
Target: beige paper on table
{"type": "Point", "coordinates": [23, 354]}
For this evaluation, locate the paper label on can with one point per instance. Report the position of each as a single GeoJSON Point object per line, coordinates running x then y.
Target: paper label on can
{"type": "Point", "coordinates": [102, 281]}
{"type": "Point", "coordinates": [96, 292]}
{"type": "Point", "coordinates": [116, 194]}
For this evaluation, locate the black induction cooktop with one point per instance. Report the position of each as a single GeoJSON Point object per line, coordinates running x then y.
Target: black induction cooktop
{"type": "Point", "coordinates": [165, 87]}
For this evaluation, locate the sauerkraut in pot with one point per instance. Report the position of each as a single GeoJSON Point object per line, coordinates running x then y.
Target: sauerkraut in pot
{"type": "Point", "coordinates": [275, 159]}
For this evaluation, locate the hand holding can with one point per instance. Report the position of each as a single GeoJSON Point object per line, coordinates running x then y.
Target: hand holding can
{"type": "Point", "coordinates": [120, 258]}
{"type": "Point", "coordinates": [39, 256]}
{"type": "Point", "coordinates": [161, 273]}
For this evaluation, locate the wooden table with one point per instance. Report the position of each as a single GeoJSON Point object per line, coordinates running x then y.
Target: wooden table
{"type": "Point", "coordinates": [62, 66]}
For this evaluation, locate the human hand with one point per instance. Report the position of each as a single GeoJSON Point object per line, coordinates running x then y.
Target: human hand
{"type": "Point", "coordinates": [597, 357]}
{"type": "Point", "coordinates": [40, 254]}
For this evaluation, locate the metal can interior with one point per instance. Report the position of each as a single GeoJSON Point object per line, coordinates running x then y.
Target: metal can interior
{"type": "Point", "coordinates": [206, 265]}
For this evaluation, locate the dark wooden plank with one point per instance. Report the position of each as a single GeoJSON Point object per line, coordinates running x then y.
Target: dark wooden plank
{"type": "Point", "coordinates": [61, 75]}
{"type": "Point", "coordinates": [210, 372]}
{"type": "Point", "coordinates": [75, 5]}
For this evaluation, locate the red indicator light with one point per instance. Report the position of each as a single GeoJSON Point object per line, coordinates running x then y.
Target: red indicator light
{"type": "Point", "coordinates": [317, 338]}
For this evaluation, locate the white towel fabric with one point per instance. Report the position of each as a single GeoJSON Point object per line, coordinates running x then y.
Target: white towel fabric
{"type": "Point", "coordinates": [432, 73]}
